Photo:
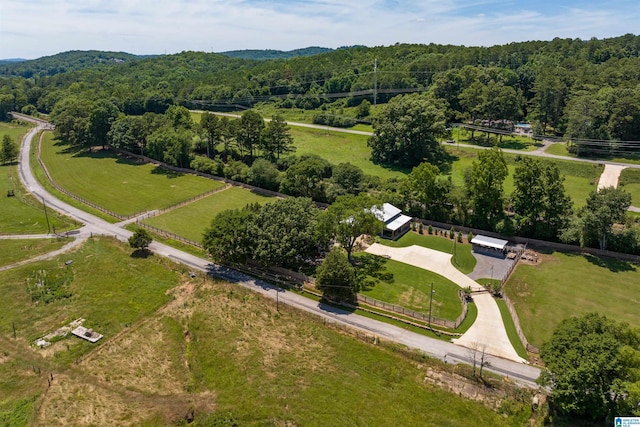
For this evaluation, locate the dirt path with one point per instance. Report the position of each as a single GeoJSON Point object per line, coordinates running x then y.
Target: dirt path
{"type": "Point", "coordinates": [488, 330]}
{"type": "Point", "coordinates": [66, 248]}
{"type": "Point", "coordinates": [610, 176]}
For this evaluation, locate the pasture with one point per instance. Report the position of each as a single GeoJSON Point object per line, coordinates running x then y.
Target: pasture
{"type": "Point", "coordinates": [191, 220]}
{"type": "Point", "coordinates": [563, 285]}
{"type": "Point", "coordinates": [14, 250]}
{"type": "Point", "coordinates": [175, 344]}
{"type": "Point", "coordinates": [119, 184]}
{"type": "Point", "coordinates": [23, 214]}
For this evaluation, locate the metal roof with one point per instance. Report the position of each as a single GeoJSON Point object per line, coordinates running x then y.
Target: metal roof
{"type": "Point", "coordinates": [489, 242]}
{"type": "Point", "coordinates": [398, 222]}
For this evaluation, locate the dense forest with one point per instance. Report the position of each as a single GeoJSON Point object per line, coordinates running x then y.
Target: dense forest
{"type": "Point", "coordinates": [582, 89]}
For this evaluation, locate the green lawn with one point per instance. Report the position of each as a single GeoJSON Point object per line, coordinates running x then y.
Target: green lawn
{"type": "Point", "coordinates": [559, 149]}
{"type": "Point", "coordinates": [410, 289]}
{"type": "Point", "coordinates": [564, 285]}
{"type": "Point", "coordinates": [510, 327]}
{"type": "Point", "coordinates": [464, 260]}
{"type": "Point", "coordinates": [630, 181]}
{"type": "Point", "coordinates": [340, 147]}
{"type": "Point", "coordinates": [22, 214]}
{"type": "Point", "coordinates": [118, 184]}
{"type": "Point", "coordinates": [17, 250]}
{"type": "Point", "coordinates": [190, 221]}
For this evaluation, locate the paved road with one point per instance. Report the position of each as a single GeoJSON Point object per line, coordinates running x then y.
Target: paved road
{"type": "Point", "coordinates": [520, 372]}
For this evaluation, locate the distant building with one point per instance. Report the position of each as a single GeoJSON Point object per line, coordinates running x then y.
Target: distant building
{"type": "Point", "coordinates": [489, 246]}
{"type": "Point", "coordinates": [524, 129]}
{"type": "Point", "coordinates": [395, 223]}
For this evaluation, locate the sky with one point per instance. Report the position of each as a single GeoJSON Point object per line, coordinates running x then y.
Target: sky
{"type": "Point", "coordinates": [34, 28]}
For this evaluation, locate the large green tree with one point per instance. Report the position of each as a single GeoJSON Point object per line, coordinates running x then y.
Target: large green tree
{"type": "Point", "coordinates": [407, 131]}
{"type": "Point", "coordinates": [306, 178]}
{"type": "Point", "coordinates": [284, 232]}
{"type": "Point", "coordinates": [485, 185]}
{"type": "Point", "coordinates": [348, 218]}
{"type": "Point", "coordinates": [539, 200]}
{"type": "Point", "coordinates": [595, 221]}
{"type": "Point", "coordinates": [592, 365]}
{"type": "Point", "coordinates": [228, 239]}
{"type": "Point", "coordinates": [103, 114]}
{"type": "Point", "coordinates": [276, 138]}
{"type": "Point", "coordinates": [336, 277]}
{"type": "Point", "coordinates": [426, 194]}
{"type": "Point", "coordinates": [249, 131]}
{"type": "Point", "coordinates": [212, 129]}
{"type": "Point", "coordinates": [71, 119]}
{"type": "Point", "coordinates": [9, 150]}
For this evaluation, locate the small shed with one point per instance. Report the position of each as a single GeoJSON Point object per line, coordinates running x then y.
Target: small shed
{"type": "Point", "coordinates": [489, 246]}
{"type": "Point", "coordinates": [395, 223]}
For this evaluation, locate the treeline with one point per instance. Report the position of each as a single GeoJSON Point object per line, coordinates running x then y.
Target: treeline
{"type": "Point", "coordinates": [252, 151]}
{"type": "Point", "coordinates": [549, 83]}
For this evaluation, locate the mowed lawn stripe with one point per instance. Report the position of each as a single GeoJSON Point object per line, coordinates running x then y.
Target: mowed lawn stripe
{"type": "Point", "coordinates": [190, 221]}
{"type": "Point", "coordinates": [121, 185]}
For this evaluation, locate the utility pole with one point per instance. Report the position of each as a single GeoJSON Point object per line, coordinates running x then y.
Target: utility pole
{"type": "Point", "coordinates": [46, 215]}
{"type": "Point", "coordinates": [375, 81]}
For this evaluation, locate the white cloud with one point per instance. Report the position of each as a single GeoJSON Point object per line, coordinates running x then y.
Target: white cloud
{"type": "Point", "coordinates": [36, 28]}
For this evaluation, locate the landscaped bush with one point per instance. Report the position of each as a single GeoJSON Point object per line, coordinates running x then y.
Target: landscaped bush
{"type": "Point", "coordinates": [329, 119]}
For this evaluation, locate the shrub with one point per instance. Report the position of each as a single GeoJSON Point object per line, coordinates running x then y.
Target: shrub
{"type": "Point", "coordinates": [430, 229]}
{"type": "Point", "coordinates": [452, 233]}
{"type": "Point", "coordinates": [420, 228]}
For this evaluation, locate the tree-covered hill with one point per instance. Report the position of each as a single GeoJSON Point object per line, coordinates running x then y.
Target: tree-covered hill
{"type": "Point", "coordinates": [580, 88]}
{"type": "Point", "coordinates": [64, 62]}
{"type": "Point", "coordinates": [266, 54]}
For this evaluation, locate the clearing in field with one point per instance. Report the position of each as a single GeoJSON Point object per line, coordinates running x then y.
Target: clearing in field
{"type": "Point", "coordinates": [563, 285]}
{"type": "Point", "coordinates": [122, 185]}
{"type": "Point", "coordinates": [207, 349]}
{"type": "Point", "coordinates": [191, 220]}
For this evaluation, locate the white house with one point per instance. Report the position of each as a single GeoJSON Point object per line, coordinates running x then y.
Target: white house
{"type": "Point", "coordinates": [395, 223]}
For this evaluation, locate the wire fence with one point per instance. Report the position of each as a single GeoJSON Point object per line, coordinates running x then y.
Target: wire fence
{"type": "Point", "coordinates": [416, 314]}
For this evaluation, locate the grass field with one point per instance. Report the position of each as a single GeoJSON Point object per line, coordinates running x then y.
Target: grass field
{"type": "Point", "coordinates": [464, 260]}
{"type": "Point", "coordinates": [21, 249]}
{"type": "Point", "coordinates": [411, 287]}
{"type": "Point", "coordinates": [206, 346]}
{"type": "Point", "coordinates": [118, 184]}
{"type": "Point", "coordinates": [630, 181]}
{"type": "Point", "coordinates": [340, 147]}
{"type": "Point", "coordinates": [22, 214]}
{"type": "Point", "coordinates": [190, 221]}
{"type": "Point", "coordinates": [564, 285]}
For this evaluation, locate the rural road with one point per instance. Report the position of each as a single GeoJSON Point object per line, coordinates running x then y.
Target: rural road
{"type": "Point", "coordinates": [520, 372]}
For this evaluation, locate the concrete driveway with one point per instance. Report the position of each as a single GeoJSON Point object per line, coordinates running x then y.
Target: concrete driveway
{"type": "Point", "coordinates": [488, 331]}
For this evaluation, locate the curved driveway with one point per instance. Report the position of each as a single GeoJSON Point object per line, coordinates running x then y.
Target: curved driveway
{"type": "Point", "coordinates": [523, 373]}
{"type": "Point", "coordinates": [488, 330]}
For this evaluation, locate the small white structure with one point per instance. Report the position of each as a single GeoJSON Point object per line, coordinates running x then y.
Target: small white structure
{"type": "Point", "coordinates": [86, 334]}
{"type": "Point", "coordinates": [489, 246]}
{"type": "Point", "coordinates": [395, 223]}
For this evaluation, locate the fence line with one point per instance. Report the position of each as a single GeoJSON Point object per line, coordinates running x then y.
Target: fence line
{"type": "Point", "coordinates": [168, 234]}
{"type": "Point", "coordinates": [73, 196]}
{"type": "Point", "coordinates": [530, 347]}
{"type": "Point", "coordinates": [537, 243]}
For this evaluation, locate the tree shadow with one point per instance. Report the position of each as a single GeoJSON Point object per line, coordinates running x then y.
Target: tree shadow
{"type": "Point", "coordinates": [159, 170]}
{"type": "Point", "coordinates": [141, 253]}
{"type": "Point", "coordinates": [371, 269]}
{"type": "Point", "coordinates": [613, 265]}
